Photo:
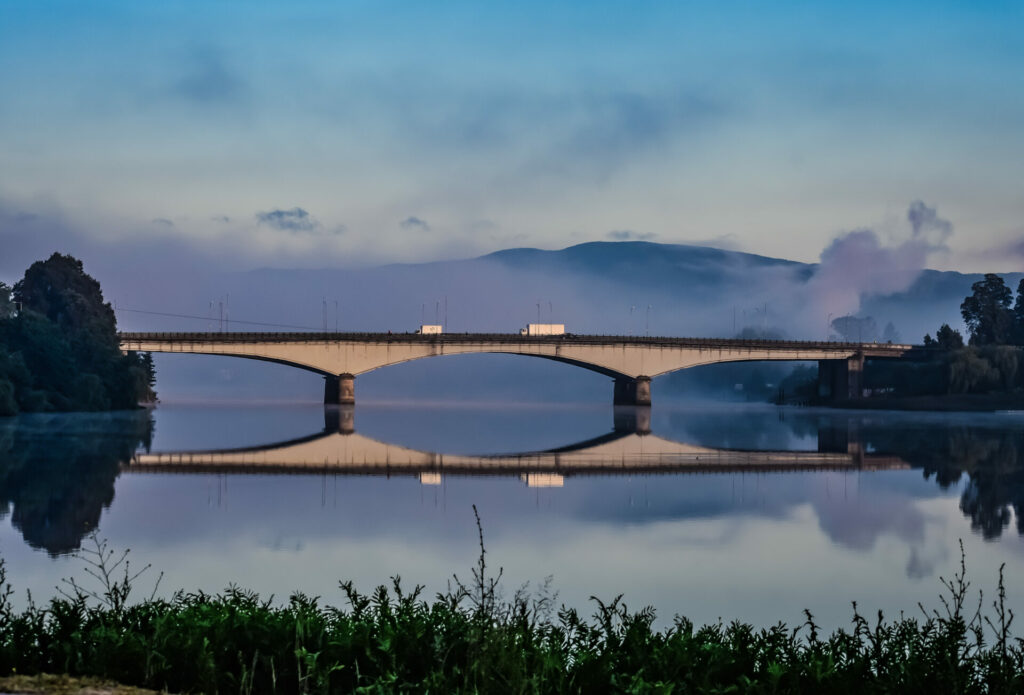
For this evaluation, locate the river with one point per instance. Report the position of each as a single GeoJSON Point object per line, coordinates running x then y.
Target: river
{"type": "Point", "coordinates": [705, 510]}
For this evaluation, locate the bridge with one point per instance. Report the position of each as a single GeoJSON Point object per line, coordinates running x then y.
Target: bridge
{"type": "Point", "coordinates": [629, 450]}
{"type": "Point", "coordinates": [631, 361]}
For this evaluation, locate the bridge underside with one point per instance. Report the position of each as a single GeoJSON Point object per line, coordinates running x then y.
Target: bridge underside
{"type": "Point", "coordinates": [631, 362]}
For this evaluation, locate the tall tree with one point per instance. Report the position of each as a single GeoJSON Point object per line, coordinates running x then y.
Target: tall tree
{"type": "Point", "coordinates": [987, 311]}
{"type": "Point", "coordinates": [6, 303]}
{"type": "Point", "coordinates": [65, 339]}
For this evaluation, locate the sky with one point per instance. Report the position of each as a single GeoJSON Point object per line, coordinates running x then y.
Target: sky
{"type": "Point", "coordinates": [341, 134]}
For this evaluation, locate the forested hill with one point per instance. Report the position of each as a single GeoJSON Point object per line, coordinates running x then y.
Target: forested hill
{"type": "Point", "coordinates": [59, 349]}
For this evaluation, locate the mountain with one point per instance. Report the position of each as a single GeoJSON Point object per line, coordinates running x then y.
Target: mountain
{"type": "Point", "coordinates": [600, 287]}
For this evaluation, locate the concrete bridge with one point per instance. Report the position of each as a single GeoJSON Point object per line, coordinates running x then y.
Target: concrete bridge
{"type": "Point", "coordinates": [628, 450]}
{"type": "Point", "coordinates": [630, 361]}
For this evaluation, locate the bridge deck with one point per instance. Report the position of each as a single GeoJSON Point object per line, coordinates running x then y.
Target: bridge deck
{"type": "Point", "coordinates": [869, 349]}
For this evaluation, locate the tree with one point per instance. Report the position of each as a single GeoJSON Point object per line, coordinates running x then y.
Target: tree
{"type": "Point", "coordinates": [6, 303]}
{"type": "Point", "coordinates": [62, 352]}
{"type": "Point", "coordinates": [987, 311]}
{"type": "Point", "coordinates": [948, 338]}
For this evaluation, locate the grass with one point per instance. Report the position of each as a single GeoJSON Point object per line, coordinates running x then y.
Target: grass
{"type": "Point", "coordinates": [472, 639]}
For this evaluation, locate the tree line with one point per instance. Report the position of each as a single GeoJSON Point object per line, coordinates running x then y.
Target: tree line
{"type": "Point", "coordinates": [59, 349]}
{"type": "Point", "coordinates": [989, 361]}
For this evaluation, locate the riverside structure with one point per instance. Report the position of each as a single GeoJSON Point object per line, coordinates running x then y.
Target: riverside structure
{"type": "Point", "coordinates": [631, 361]}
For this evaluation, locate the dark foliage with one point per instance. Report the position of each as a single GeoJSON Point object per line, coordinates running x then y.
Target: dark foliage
{"type": "Point", "coordinates": [948, 339]}
{"type": "Point", "coordinates": [1018, 316]}
{"type": "Point", "coordinates": [60, 351]}
{"type": "Point", "coordinates": [987, 311]}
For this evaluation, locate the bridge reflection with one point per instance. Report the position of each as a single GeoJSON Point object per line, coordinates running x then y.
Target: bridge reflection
{"type": "Point", "coordinates": [631, 448]}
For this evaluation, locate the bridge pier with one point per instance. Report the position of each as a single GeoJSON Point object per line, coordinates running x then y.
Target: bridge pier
{"type": "Point", "coordinates": [632, 419]}
{"type": "Point", "coordinates": [339, 419]}
{"type": "Point", "coordinates": [841, 380]}
{"type": "Point", "coordinates": [633, 391]}
{"type": "Point", "coordinates": [340, 390]}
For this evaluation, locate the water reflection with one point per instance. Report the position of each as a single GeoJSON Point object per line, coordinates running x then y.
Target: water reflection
{"type": "Point", "coordinates": [57, 472]}
{"type": "Point", "coordinates": [630, 448]}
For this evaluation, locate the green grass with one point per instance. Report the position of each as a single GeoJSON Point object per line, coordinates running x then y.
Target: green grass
{"type": "Point", "coordinates": [471, 639]}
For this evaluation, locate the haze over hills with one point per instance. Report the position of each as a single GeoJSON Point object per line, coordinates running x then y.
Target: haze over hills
{"type": "Point", "coordinates": [599, 287]}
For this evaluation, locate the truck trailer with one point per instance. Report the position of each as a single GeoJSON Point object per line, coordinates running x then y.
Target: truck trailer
{"type": "Point", "coordinates": [430, 330]}
{"type": "Point", "coordinates": [543, 329]}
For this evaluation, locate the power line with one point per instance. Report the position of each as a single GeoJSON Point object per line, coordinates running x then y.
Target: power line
{"type": "Point", "coordinates": [207, 318]}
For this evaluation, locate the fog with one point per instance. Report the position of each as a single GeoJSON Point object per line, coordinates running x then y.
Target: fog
{"type": "Point", "coordinates": [167, 283]}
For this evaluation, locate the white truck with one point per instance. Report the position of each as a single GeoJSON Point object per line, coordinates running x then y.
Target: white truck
{"type": "Point", "coordinates": [430, 330]}
{"type": "Point", "coordinates": [543, 329]}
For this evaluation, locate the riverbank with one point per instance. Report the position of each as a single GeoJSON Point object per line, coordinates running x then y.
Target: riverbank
{"type": "Point", "coordinates": [49, 684]}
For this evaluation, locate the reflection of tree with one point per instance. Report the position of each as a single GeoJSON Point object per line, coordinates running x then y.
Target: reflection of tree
{"type": "Point", "coordinates": [993, 460]}
{"type": "Point", "coordinates": [57, 472]}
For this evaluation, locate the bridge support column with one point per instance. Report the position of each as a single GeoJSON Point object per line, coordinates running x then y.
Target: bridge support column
{"type": "Point", "coordinates": [632, 419]}
{"type": "Point", "coordinates": [633, 391]}
{"type": "Point", "coordinates": [841, 380]}
{"type": "Point", "coordinates": [340, 419]}
{"type": "Point", "coordinates": [340, 390]}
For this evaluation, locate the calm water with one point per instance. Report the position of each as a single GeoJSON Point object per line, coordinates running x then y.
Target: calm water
{"type": "Point", "coordinates": [709, 511]}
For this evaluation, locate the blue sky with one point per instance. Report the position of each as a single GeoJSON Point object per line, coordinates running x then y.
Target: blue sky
{"type": "Point", "coordinates": [334, 133]}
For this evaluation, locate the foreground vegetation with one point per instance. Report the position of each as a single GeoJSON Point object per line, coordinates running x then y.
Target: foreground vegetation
{"type": "Point", "coordinates": [470, 639]}
{"type": "Point", "coordinates": [59, 349]}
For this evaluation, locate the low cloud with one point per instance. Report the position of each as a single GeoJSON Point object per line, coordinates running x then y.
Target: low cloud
{"type": "Point", "coordinates": [926, 224]}
{"type": "Point", "coordinates": [630, 235]}
{"type": "Point", "coordinates": [223, 219]}
{"type": "Point", "coordinates": [294, 220]}
{"type": "Point", "coordinates": [163, 222]}
{"type": "Point", "coordinates": [858, 264]}
{"type": "Point", "coordinates": [412, 222]}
